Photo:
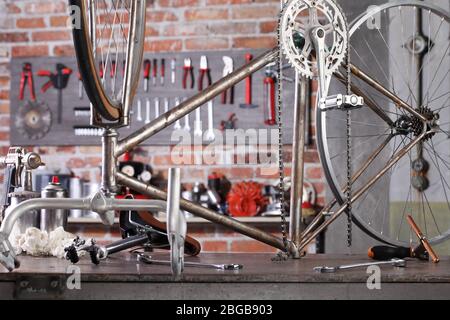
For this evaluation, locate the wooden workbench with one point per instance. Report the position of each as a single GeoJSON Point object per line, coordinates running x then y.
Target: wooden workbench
{"type": "Point", "coordinates": [122, 277]}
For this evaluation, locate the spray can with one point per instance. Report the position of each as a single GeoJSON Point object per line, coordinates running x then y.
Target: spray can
{"type": "Point", "coordinates": [53, 218]}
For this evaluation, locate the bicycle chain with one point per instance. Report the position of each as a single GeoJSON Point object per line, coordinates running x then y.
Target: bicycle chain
{"type": "Point", "coordinates": [281, 188]}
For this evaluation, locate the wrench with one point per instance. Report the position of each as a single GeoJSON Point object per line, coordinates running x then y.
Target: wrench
{"type": "Point", "coordinates": [139, 110]}
{"type": "Point", "coordinates": [198, 131]}
{"type": "Point", "coordinates": [148, 259]}
{"type": "Point", "coordinates": [187, 120]}
{"type": "Point", "coordinates": [166, 105]}
{"type": "Point", "coordinates": [210, 135]}
{"type": "Point", "coordinates": [394, 262]}
{"type": "Point", "coordinates": [156, 108]}
{"type": "Point", "coordinates": [147, 111]}
{"type": "Point", "coordinates": [177, 125]}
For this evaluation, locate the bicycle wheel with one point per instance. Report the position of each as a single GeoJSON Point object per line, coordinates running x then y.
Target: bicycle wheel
{"type": "Point", "coordinates": [109, 63]}
{"type": "Point", "coordinates": [404, 47]}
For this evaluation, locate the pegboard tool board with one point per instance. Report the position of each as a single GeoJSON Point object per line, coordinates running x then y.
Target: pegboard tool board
{"type": "Point", "coordinates": [64, 133]}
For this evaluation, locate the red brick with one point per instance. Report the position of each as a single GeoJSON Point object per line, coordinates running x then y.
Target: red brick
{"type": "Point", "coordinates": [240, 1]}
{"type": "Point", "coordinates": [12, 8]}
{"type": "Point", "coordinates": [4, 81]}
{"type": "Point", "coordinates": [44, 7]}
{"type": "Point", "coordinates": [207, 44]}
{"type": "Point", "coordinates": [254, 42]}
{"type": "Point", "coordinates": [162, 160]}
{"type": "Point", "coordinates": [4, 94]}
{"type": "Point", "coordinates": [206, 14]}
{"type": "Point", "coordinates": [29, 23]}
{"type": "Point", "coordinates": [30, 51]}
{"type": "Point", "coordinates": [64, 50]}
{"type": "Point", "coordinates": [4, 136]}
{"type": "Point", "coordinates": [214, 246]}
{"type": "Point", "coordinates": [314, 173]}
{"type": "Point", "coordinates": [94, 161]}
{"type": "Point", "coordinates": [185, 30]}
{"type": "Point", "coordinates": [75, 163]}
{"type": "Point", "coordinates": [151, 32]}
{"type": "Point", "coordinates": [59, 21]}
{"type": "Point", "coordinates": [13, 37]}
{"type": "Point", "coordinates": [185, 3]}
{"type": "Point", "coordinates": [255, 12]}
{"type": "Point", "coordinates": [232, 28]}
{"type": "Point", "coordinates": [4, 121]}
{"type": "Point", "coordinates": [268, 26]}
{"type": "Point", "coordinates": [163, 45]}
{"type": "Point", "coordinates": [41, 36]}
{"type": "Point", "coordinates": [311, 157]}
{"type": "Point", "coordinates": [4, 107]}
{"type": "Point", "coordinates": [251, 246]}
{"type": "Point", "coordinates": [160, 16]}
{"type": "Point", "coordinates": [217, 2]}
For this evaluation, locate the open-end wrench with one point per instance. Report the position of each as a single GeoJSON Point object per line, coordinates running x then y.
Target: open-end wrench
{"type": "Point", "coordinates": [198, 130]}
{"type": "Point", "coordinates": [210, 134]}
{"type": "Point", "coordinates": [187, 120]}
{"type": "Point", "coordinates": [148, 259]}
{"type": "Point", "coordinates": [394, 262]}
{"type": "Point", "coordinates": [139, 110]}
{"type": "Point", "coordinates": [166, 105]}
{"type": "Point", "coordinates": [173, 66]}
{"type": "Point", "coordinates": [177, 125]}
{"type": "Point", "coordinates": [147, 111]}
{"type": "Point", "coordinates": [157, 108]}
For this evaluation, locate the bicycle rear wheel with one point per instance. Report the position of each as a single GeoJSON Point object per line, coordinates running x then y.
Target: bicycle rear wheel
{"type": "Point", "coordinates": [387, 45]}
{"type": "Point", "coordinates": [108, 61]}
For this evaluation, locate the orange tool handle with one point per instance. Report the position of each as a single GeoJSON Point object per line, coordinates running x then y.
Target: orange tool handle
{"type": "Point", "coordinates": [423, 239]}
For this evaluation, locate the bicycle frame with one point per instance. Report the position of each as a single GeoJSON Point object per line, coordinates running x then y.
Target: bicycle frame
{"type": "Point", "coordinates": [113, 148]}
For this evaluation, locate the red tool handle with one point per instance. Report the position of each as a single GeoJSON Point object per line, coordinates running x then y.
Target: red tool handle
{"type": "Point", "coordinates": [44, 73]}
{"type": "Point", "coordinates": [248, 82]}
{"type": "Point", "coordinates": [147, 68]}
{"type": "Point", "coordinates": [155, 68]}
{"type": "Point", "coordinates": [186, 73]}
{"type": "Point", "coordinates": [27, 78]}
{"type": "Point", "coordinates": [163, 68]}
{"type": "Point", "coordinates": [269, 101]}
{"type": "Point", "coordinates": [100, 69]}
{"type": "Point", "coordinates": [46, 86]}
{"type": "Point", "coordinates": [67, 71]}
{"type": "Point", "coordinates": [113, 70]}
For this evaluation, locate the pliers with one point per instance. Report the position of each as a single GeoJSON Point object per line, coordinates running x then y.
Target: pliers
{"type": "Point", "coordinates": [27, 78]}
{"type": "Point", "coordinates": [188, 71]}
{"type": "Point", "coordinates": [57, 80]}
{"type": "Point", "coordinates": [204, 71]}
{"type": "Point", "coordinates": [228, 69]}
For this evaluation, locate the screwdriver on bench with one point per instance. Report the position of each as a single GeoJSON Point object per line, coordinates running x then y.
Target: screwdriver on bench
{"type": "Point", "coordinates": [422, 252]}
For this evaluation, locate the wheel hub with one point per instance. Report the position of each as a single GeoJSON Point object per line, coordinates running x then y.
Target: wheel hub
{"type": "Point", "coordinates": [417, 125]}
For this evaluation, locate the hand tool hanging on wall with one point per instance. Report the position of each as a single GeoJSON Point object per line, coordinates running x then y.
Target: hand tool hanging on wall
{"type": "Point", "coordinates": [163, 71]}
{"type": "Point", "coordinates": [33, 120]}
{"type": "Point", "coordinates": [157, 106]}
{"type": "Point", "coordinates": [269, 100]}
{"type": "Point", "coordinates": [154, 71]}
{"type": "Point", "coordinates": [59, 81]}
{"type": "Point", "coordinates": [422, 252]}
{"type": "Point", "coordinates": [112, 74]}
{"type": "Point", "coordinates": [26, 78]}
{"type": "Point", "coordinates": [188, 72]}
{"type": "Point", "coordinates": [230, 123]}
{"type": "Point", "coordinates": [177, 125]}
{"type": "Point", "coordinates": [139, 110]}
{"type": "Point", "coordinates": [187, 120]}
{"type": "Point", "coordinates": [248, 88]}
{"type": "Point", "coordinates": [204, 71]}
{"type": "Point", "coordinates": [101, 71]}
{"type": "Point", "coordinates": [228, 95]}
{"type": "Point", "coordinates": [80, 87]}
{"type": "Point", "coordinates": [148, 110]}
{"type": "Point", "coordinates": [147, 69]}
{"type": "Point", "coordinates": [173, 70]}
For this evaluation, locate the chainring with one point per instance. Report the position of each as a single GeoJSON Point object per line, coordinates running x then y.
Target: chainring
{"type": "Point", "coordinates": [34, 120]}
{"type": "Point", "coordinates": [298, 19]}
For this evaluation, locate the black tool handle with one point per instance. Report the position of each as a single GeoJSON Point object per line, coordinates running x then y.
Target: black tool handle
{"type": "Point", "coordinates": [127, 243]}
{"type": "Point", "coordinates": [387, 253]}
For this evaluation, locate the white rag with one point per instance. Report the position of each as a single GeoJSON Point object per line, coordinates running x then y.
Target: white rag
{"type": "Point", "coordinates": [39, 243]}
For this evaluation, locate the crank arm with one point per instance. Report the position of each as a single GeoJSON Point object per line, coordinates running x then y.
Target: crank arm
{"type": "Point", "coordinates": [394, 262]}
{"type": "Point", "coordinates": [148, 260]}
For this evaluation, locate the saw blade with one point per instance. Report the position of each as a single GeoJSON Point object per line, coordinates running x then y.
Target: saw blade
{"type": "Point", "coordinates": [34, 120]}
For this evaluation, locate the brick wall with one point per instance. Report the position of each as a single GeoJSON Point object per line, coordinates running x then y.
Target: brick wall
{"type": "Point", "coordinates": [38, 28]}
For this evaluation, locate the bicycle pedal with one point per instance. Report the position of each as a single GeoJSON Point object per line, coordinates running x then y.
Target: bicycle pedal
{"type": "Point", "coordinates": [341, 102]}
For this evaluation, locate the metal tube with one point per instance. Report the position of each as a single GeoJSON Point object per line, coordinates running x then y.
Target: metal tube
{"type": "Point", "coordinates": [207, 214]}
{"type": "Point", "coordinates": [380, 88]}
{"type": "Point", "coordinates": [298, 151]}
{"type": "Point", "coordinates": [361, 191]}
{"type": "Point", "coordinates": [194, 102]}
{"type": "Point", "coordinates": [109, 162]}
{"type": "Point", "coordinates": [95, 203]}
{"type": "Point", "coordinates": [372, 105]}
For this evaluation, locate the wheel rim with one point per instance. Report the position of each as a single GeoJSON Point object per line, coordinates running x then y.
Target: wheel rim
{"type": "Point", "coordinates": [392, 228]}
{"type": "Point", "coordinates": [103, 55]}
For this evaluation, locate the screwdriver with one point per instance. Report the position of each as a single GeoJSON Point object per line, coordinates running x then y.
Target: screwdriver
{"type": "Point", "coordinates": [147, 67]}
{"type": "Point", "coordinates": [386, 253]}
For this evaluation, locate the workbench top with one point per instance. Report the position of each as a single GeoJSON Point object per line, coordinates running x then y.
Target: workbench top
{"type": "Point", "coordinates": [260, 275]}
